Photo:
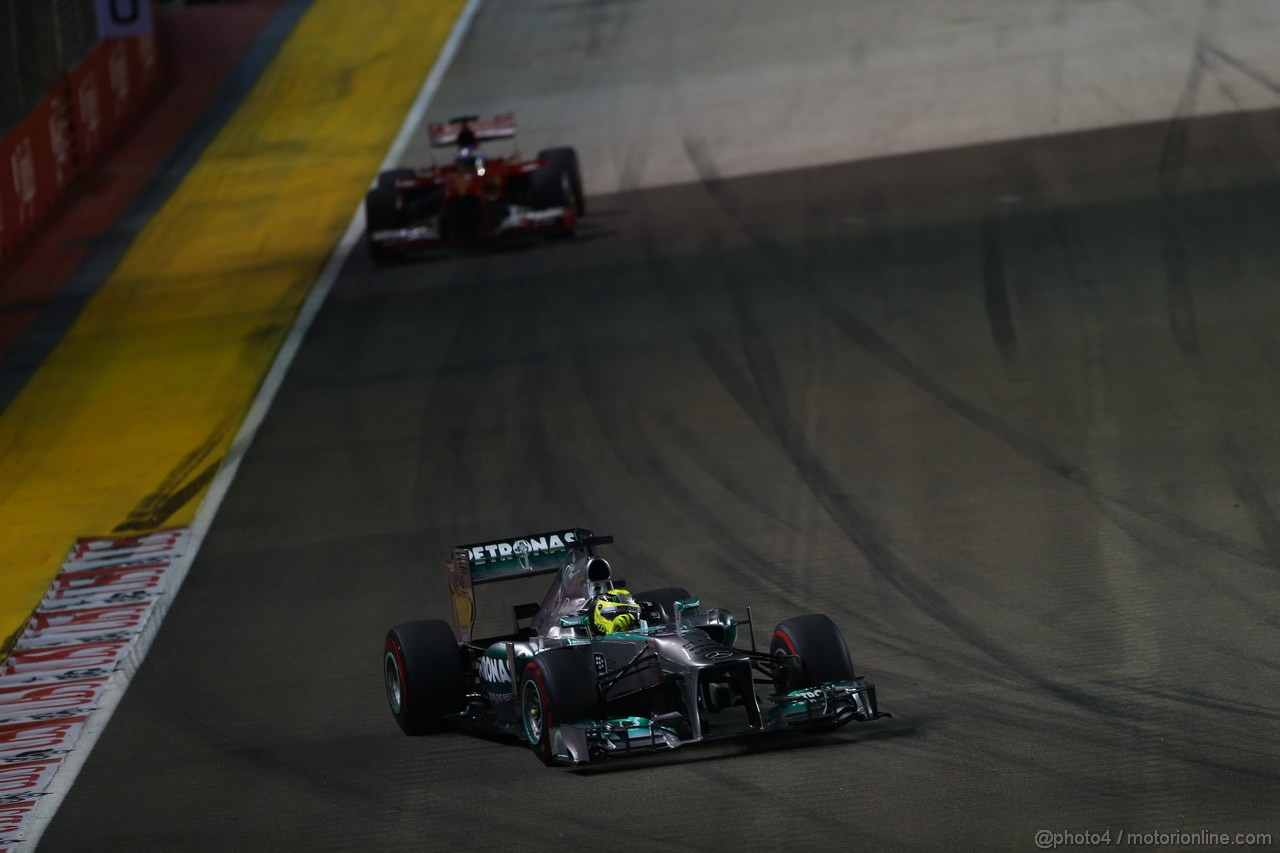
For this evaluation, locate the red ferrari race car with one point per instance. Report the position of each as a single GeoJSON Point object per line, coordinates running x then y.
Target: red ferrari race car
{"type": "Point", "coordinates": [474, 199]}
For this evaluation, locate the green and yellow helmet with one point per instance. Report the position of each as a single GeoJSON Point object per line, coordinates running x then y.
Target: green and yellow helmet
{"type": "Point", "coordinates": [614, 610]}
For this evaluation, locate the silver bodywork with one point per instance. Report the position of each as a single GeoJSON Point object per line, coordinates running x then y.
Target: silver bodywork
{"type": "Point", "coordinates": [675, 680]}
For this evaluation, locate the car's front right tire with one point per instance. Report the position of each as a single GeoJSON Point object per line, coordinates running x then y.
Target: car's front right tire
{"type": "Point", "coordinates": [808, 651]}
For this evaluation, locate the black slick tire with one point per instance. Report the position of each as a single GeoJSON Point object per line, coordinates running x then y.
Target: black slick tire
{"type": "Point", "coordinates": [422, 667]}
{"type": "Point", "coordinates": [382, 210]}
{"type": "Point", "coordinates": [558, 183]}
{"type": "Point", "coordinates": [819, 650]}
{"type": "Point", "coordinates": [557, 687]}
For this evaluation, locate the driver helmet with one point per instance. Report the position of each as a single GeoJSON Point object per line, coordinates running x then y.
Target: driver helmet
{"type": "Point", "coordinates": [469, 159]}
{"type": "Point", "coordinates": [614, 610]}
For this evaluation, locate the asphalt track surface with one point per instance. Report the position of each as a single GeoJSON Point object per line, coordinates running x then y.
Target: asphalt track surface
{"type": "Point", "coordinates": [1005, 413]}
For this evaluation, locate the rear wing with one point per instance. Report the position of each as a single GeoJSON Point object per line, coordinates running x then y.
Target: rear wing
{"type": "Point", "coordinates": [496, 127]}
{"type": "Point", "coordinates": [507, 559]}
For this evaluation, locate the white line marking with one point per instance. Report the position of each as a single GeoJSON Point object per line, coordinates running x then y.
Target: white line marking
{"type": "Point", "coordinates": [40, 817]}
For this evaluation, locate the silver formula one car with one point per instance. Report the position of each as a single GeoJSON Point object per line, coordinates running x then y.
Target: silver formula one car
{"type": "Point", "coordinates": [593, 671]}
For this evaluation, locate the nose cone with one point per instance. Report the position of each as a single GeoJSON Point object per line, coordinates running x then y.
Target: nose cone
{"type": "Point", "coordinates": [465, 185]}
{"type": "Point", "coordinates": [695, 649]}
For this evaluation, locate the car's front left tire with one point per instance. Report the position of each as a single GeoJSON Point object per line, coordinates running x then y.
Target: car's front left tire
{"type": "Point", "coordinates": [557, 687]}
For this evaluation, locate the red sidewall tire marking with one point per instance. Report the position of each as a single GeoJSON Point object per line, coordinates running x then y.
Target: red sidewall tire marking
{"type": "Point", "coordinates": [544, 748]}
{"type": "Point", "coordinates": [393, 646]}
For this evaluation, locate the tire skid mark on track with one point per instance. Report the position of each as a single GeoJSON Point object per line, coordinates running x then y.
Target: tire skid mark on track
{"type": "Point", "coordinates": [722, 366]}
{"type": "Point", "coordinates": [663, 273]}
{"type": "Point", "coordinates": [880, 556]}
{"type": "Point", "coordinates": [1151, 729]}
{"type": "Point", "coordinates": [1181, 303]}
{"type": "Point", "coordinates": [872, 342]}
{"type": "Point", "coordinates": [1197, 758]}
{"type": "Point", "coordinates": [1200, 700]}
{"type": "Point", "coordinates": [465, 349]}
{"type": "Point", "coordinates": [548, 472]}
{"type": "Point", "coordinates": [1262, 79]}
{"type": "Point", "coordinates": [762, 398]}
{"type": "Point", "coordinates": [701, 455]}
{"type": "Point", "coordinates": [1152, 726]}
{"type": "Point", "coordinates": [179, 487]}
{"type": "Point", "coordinates": [604, 23]}
{"type": "Point", "coordinates": [1182, 314]}
{"type": "Point", "coordinates": [640, 453]}
{"type": "Point", "coordinates": [995, 295]}
{"type": "Point", "coordinates": [520, 382]}
{"type": "Point", "coordinates": [1247, 489]}
{"type": "Point", "coordinates": [547, 448]}
{"type": "Point", "coordinates": [1089, 306]}
{"type": "Point", "coordinates": [862, 334]}
{"type": "Point", "coordinates": [1233, 456]}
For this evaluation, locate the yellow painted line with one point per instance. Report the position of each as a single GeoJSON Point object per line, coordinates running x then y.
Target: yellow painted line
{"type": "Point", "coordinates": [122, 426]}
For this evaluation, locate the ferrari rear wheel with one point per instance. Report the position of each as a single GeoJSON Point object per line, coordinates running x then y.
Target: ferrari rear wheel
{"type": "Point", "coordinates": [809, 651]}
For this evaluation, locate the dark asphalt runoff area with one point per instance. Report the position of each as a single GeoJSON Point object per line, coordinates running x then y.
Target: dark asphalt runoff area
{"type": "Point", "coordinates": [1007, 413]}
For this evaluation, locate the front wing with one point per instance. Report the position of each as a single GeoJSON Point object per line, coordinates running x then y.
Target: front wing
{"type": "Point", "coordinates": [520, 223]}
{"type": "Point", "coordinates": [823, 708]}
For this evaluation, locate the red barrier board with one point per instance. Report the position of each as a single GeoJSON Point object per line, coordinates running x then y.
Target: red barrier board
{"type": "Point", "coordinates": [39, 738]}
{"type": "Point", "coordinates": [89, 552]}
{"type": "Point", "coordinates": [61, 138]}
{"type": "Point", "coordinates": [12, 816]}
{"type": "Point", "coordinates": [103, 654]}
{"type": "Point", "coordinates": [64, 663]}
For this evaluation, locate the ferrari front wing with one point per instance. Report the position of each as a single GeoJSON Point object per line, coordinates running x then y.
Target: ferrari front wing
{"type": "Point", "coordinates": [520, 222]}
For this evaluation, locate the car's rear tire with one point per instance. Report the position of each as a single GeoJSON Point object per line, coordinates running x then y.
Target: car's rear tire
{"type": "Point", "coordinates": [559, 182]}
{"type": "Point", "coordinates": [557, 687]}
{"type": "Point", "coordinates": [382, 210]}
{"type": "Point", "coordinates": [666, 597]}
{"type": "Point", "coordinates": [819, 650]}
{"type": "Point", "coordinates": [424, 672]}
